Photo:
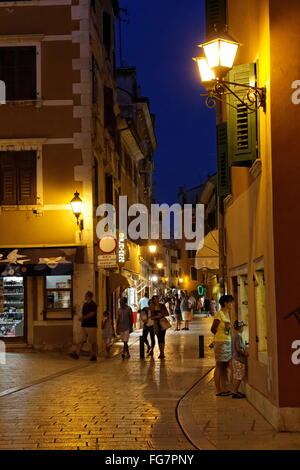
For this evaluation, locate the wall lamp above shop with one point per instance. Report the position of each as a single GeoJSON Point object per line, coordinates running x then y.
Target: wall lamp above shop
{"type": "Point", "coordinates": [152, 248]}
{"type": "Point", "coordinates": [76, 204]}
{"type": "Point", "coordinates": [216, 62]}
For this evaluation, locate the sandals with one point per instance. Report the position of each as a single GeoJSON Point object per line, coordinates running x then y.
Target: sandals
{"type": "Point", "coordinates": [223, 394]}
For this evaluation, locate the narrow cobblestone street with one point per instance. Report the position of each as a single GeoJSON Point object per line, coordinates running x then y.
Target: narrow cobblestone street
{"type": "Point", "coordinates": [114, 404]}
{"type": "Point", "coordinates": [48, 401]}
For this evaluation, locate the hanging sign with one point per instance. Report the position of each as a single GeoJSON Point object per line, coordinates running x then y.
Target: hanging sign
{"type": "Point", "coordinates": [121, 251]}
{"type": "Point", "coordinates": [107, 261]}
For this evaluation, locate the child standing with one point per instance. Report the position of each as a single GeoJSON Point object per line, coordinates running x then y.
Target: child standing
{"type": "Point", "coordinates": [239, 358]}
{"type": "Point", "coordinates": [107, 330]}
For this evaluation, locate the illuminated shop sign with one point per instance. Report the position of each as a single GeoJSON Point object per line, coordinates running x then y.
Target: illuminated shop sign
{"type": "Point", "coordinates": [121, 252]}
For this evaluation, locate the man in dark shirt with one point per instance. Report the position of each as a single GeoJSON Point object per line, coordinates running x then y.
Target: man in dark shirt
{"type": "Point", "coordinates": [89, 326]}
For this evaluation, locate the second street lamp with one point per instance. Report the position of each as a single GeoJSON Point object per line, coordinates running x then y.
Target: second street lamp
{"type": "Point", "coordinates": [76, 204]}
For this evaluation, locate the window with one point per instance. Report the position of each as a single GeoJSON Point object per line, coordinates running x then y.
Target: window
{"type": "Point", "coordinates": [58, 295]}
{"type": "Point", "coordinates": [109, 115]}
{"type": "Point", "coordinates": [18, 178]}
{"type": "Point", "coordinates": [109, 189]}
{"type": "Point", "coordinates": [192, 254]}
{"type": "Point", "coordinates": [243, 304]}
{"type": "Point", "coordinates": [261, 317]}
{"type": "Point", "coordinates": [107, 32]}
{"type": "Point", "coordinates": [18, 71]}
{"type": "Point", "coordinates": [95, 92]}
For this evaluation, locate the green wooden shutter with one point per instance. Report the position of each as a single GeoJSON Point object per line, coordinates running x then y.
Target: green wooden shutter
{"type": "Point", "coordinates": [242, 127]}
{"type": "Point", "coordinates": [8, 179]}
{"type": "Point", "coordinates": [216, 17]}
{"type": "Point", "coordinates": [26, 177]}
{"type": "Point", "coordinates": [224, 179]}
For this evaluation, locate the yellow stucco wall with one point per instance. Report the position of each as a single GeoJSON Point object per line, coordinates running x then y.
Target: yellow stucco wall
{"type": "Point", "coordinates": [249, 220]}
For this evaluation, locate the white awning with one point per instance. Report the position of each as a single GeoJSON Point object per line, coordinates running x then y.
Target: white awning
{"type": "Point", "coordinates": [208, 256]}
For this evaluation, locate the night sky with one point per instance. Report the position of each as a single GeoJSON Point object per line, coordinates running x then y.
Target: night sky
{"type": "Point", "coordinates": [160, 40]}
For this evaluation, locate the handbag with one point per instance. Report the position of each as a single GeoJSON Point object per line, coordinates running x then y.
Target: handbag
{"type": "Point", "coordinates": [164, 324]}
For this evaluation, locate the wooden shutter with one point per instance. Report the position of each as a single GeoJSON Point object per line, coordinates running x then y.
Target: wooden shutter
{"type": "Point", "coordinates": [242, 127]}
{"type": "Point", "coordinates": [18, 71]}
{"type": "Point", "coordinates": [26, 73]}
{"type": "Point", "coordinates": [216, 17]}
{"type": "Point", "coordinates": [224, 177]}
{"type": "Point", "coordinates": [26, 162]}
{"type": "Point", "coordinates": [8, 178]}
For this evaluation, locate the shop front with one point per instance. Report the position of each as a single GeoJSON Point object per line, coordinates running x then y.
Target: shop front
{"type": "Point", "coordinates": [36, 294]}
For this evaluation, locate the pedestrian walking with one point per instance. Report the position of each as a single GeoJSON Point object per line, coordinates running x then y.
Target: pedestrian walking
{"type": "Point", "coordinates": [185, 311]}
{"type": "Point", "coordinates": [222, 344]}
{"type": "Point", "coordinates": [148, 329]}
{"type": "Point", "coordinates": [207, 305]}
{"type": "Point", "coordinates": [192, 302]}
{"type": "Point", "coordinates": [107, 332]}
{"type": "Point", "coordinates": [213, 307]}
{"type": "Point", "coordinates": [177, 312]}
{"type": "Point", "coordinates": [144, 301]}
{"type": "Point", "coordinates": [239, 358]}
{"type": "Point", "coordinates": [124, 323]}
{"type": "Point", "coordinates": [88, 321]}
{"type": "Point", "coordinates": [161, 324]}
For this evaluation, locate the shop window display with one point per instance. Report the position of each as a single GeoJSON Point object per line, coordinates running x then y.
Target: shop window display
{"type": "Point", "coordinates": [58, 293]}
{"type": "Point", "coordinates": [11, 307]}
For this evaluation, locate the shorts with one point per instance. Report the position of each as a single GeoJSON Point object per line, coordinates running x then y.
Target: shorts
{"type": "Point", "coordinates": [125, 336]}
{"type": "Point", "coordinates": [187, 316]}
{"type": "Point", "coordinates": [90, 334]}
{"type": "Point", "coordinates": [223, 351]}
{"type": "Point", "coordinates": [238, 370]}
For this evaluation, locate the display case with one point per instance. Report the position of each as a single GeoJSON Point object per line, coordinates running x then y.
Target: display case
{"type": "Point", "coordinates": [11, 307]}
{"type": "Point", "coordinates": [58, 297]}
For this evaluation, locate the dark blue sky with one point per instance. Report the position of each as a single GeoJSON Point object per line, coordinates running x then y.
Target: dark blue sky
{"type": "Point", "coordinates": [160, 40]}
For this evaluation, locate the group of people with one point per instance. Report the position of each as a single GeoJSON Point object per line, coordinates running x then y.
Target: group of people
{"type": "Point", "coordinates": [229, 347]}
{"type": "Point", "coordinates": [230, 350]}
{"type": "Point", "coordinates": [153, 313]}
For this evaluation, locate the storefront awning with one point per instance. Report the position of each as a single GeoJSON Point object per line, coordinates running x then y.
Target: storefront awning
{"type": "Point", "coordinates": [208, 256]}
{"type": "Point", "coordinates": [39, 261]}
{"type": "Point", "coordinates": [117, 280]}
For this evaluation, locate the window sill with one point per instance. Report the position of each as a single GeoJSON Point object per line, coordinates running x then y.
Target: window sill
{"type": "Point", "coordinates": [256, 169]}
{"type": "Point", "coordinates": [16, 208]}
{"type": "Point", "coordinates": [24, 103]}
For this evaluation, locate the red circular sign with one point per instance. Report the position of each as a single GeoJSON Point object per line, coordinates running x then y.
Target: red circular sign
{"type": "Point", "coordinates": [107, 244]}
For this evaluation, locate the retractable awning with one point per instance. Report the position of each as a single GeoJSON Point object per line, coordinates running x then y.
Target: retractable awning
{"type": "Point", "coordinates": [39, 261]}
{"type": "Point", "coordinates": [117, 280]}
{"type": "Point", "coordinates": [208, 256]}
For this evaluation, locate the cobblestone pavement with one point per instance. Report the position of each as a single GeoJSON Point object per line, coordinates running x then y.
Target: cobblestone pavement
{"type": "Point", "coordinates": [231, 424]}
{"type": "Point", "coordinates": [48, 401]}
{"type": "Point", "coordinates": [114, 404]}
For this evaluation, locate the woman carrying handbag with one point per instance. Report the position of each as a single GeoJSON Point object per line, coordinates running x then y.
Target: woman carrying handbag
{"type": "Point", "coordinates": [161, 324]}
